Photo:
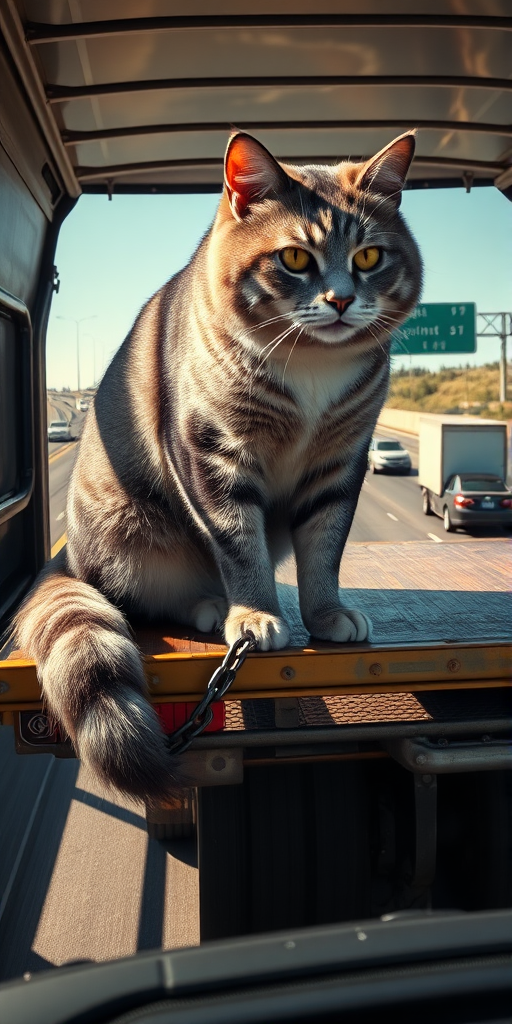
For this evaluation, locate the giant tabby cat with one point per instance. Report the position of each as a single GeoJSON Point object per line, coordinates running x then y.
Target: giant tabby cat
{"type": "Point", "coordinates": [232, 425]}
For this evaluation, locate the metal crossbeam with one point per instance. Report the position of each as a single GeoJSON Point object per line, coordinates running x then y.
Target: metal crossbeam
{"type": "Point", "coordinates": [497, 325]}
{"type": "Point", "coordinates": [65, 93]}
{"type": "Point", "coordinates": [37, 33]}
{"type": "Point", "coordinates": [71, 138]}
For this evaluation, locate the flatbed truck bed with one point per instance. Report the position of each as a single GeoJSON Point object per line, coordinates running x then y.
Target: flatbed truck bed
{"type": "Point", "coordinates": [343, 761]}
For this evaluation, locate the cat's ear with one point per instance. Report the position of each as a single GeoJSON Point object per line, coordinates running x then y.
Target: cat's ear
{"type": "Point", "coordinates": [250, 174]}
{"type": "Point", "coordinates": [386, 172]}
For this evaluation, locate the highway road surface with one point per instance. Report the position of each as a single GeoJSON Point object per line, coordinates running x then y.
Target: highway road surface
{"type": "Point", "coordinates": [79, 877]}
{"type": "Point", "coordinates": [60, 466]}
{"type": "Point", "coordinates": [389, 507]}
{"type": "Point", "coordinates": [61, 458]}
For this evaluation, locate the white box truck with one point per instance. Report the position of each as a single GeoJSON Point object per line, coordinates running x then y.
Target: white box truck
{"type": "Point", "coordinates": [463, 470]}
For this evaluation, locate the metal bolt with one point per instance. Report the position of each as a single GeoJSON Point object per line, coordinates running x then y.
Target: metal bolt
{"type": "Point", "coordinates": [442, 741]}
{"type": "Point", "coordinates": [287, 672]}
{"type": "Point", "coordinates": [453, 665]}
{"type": "Point", "coordinates": [289, 944]}
{"type": "Point", "coordinates": [486, 738]}
{"type": "Point", "coordinates": [426, 779]}
{"type": "Point", "coordinates": [4, 687]}
{"type": "Point", "coordinates": [361, 936]}
{"type": "Point", "coordinates": [218, 763]}
{"type": "Point", "coordinates": [154, 680]}
{"type": "Point", "coordinates": [375, 669]}
{"type": "Point", "coordinates": [421, 759]}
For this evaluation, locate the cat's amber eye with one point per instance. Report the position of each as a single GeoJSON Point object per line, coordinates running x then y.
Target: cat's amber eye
{"type": "Point", "coordinates": [295, 259]}
{"type": "Point", "coordinates": [365, 259]}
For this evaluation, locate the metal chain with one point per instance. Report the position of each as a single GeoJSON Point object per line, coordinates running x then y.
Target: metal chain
{"type": "Point", "coordinates": [219, 683]}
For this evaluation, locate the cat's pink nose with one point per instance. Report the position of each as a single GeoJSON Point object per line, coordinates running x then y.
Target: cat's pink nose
{"type": "Point", "coordinates": [340, 304]}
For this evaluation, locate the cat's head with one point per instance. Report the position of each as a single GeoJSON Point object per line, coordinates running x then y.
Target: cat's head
{"type": "Point", "coordinates": [321, 252]}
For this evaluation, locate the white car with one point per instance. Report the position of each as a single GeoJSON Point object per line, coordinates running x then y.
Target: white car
{"type": "Point", "coordinates": [387, 454]}
{"type": "Point", "coordinates": [59, 430]}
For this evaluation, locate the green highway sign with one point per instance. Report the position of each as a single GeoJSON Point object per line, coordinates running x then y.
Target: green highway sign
{"type": "Point", "coordinates": [437, 327]}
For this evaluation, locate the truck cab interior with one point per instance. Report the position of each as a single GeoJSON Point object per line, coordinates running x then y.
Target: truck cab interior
{"type": "Point", "coordinates": [112, 98]}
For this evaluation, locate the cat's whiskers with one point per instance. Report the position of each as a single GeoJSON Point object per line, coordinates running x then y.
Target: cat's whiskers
{"type": "Point", "coordinates": [280, 338]}
{"type": "Point", "coordinates": [389, 322]}
{"type": "Point", "coordinates": [290, 353]}
{"type": "Point", "coordinates": [392, 314]}
{"type": "Point", "coordinates": [385, 318]}
{"type": "Point", "coordinates": [371, 321]}
{"type": "Point", "coordinates": [270, 343]}
{"type": "Point", "coordinates": [271, 320]}
{"type": "Point", "coordinates": [377, 339]}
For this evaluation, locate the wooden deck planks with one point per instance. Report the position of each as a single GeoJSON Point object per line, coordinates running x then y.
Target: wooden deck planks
{"type": "Point", "coordinates": [413, 592]}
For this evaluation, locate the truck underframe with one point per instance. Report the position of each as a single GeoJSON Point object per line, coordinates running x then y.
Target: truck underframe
{"type": "Point", "coordinates": [346, 781]}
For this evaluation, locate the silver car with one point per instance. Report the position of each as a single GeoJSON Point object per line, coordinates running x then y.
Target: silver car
{"type": "Point", "coordinates": [59, 430]}
{"type": "Point", "coordinates": [386, 455]}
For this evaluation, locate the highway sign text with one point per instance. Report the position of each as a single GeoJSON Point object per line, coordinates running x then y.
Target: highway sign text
{"type": "Point", "coordinates": [437, 327]}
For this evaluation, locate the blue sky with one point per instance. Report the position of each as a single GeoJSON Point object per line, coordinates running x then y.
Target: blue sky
{"type": "Point", "coordinates": [112, 256]}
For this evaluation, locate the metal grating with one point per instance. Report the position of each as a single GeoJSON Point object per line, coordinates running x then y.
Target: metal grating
{"type": "Point", "coordinates": [351, 709]}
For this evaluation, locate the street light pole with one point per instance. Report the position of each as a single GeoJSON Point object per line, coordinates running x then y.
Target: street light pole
{"type": "Point", "coordinates": [77, 329]}
{"type": "Point", "coordinates": [77, 323]}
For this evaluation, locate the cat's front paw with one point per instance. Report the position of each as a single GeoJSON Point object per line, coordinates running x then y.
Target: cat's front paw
{"type": "Point", "coordinates": [208, 615]}
{"type": "Point", "coordinates": [270, 631]}
{"type": "Point", "coordinates": [340, 625]}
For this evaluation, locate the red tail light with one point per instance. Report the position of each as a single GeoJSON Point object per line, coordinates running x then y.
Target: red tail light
{"type": "Point", "coordinates": [172, 716]}
{"type": "Point", "coordinates": [506, 502]}
{"type": "Point", "coordinates": [461, 502]}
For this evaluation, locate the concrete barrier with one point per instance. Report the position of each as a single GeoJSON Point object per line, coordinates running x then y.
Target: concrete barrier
{"type": "Point", "coordinates": [400, 419]}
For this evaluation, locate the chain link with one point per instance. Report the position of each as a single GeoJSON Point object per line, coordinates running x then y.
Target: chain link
{"type": "Point", "coordinates": [218, 685]}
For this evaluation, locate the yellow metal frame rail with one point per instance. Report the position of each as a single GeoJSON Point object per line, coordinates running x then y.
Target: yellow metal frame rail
{"type": "Point", "coordinates": [300, 672]}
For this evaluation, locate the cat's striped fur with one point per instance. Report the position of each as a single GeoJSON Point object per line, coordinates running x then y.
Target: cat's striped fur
{"type": "Point", "coordinates": [232, 424]}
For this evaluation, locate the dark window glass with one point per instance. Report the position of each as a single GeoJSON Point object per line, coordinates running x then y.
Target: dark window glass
{"type": "Point", "coordinates": [10, 429]}
{"type": "Point", "coordinates": [489, 483]}
{"type": "Point", "coordinates": [389, 446]}
{"type": "Point", "coordinates": [12, 560]}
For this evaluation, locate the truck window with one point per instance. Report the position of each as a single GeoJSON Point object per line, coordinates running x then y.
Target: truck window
{"type": "Point", "coordinates": [16, 463]}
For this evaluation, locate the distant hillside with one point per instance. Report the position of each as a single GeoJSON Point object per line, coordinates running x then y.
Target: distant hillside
{"type": "Point", "coordinates": [472, 390]}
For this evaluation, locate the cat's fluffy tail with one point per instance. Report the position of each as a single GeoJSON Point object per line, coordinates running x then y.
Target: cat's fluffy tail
{"type": "Point", "coordinates": [93, 683]}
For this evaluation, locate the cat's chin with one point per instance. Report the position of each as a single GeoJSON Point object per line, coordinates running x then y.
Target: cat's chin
{"type": "Point", "coordinates": [332, 333]}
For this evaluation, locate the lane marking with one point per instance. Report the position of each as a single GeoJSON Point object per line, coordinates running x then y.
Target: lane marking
{"type": "Point", "coordinates": [61, 451]}
{"type": "Point", "coordinates": [438, 540]}
{"type": "Point", "coordinates": [391, 516]}
{"type": "Point", "coordinates": [59, 544]}
{"type": "Point", "coordinates": [61, 515]}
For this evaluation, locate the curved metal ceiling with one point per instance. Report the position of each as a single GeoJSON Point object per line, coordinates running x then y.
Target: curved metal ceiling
{"type": "Point", "coordinates": [142, 96]}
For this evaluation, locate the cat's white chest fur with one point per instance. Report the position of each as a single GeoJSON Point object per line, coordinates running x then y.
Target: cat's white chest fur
{"type": "Point", "coordinates": [315, 389]}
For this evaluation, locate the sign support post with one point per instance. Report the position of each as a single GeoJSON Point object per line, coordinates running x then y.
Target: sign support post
{"type": "Point", "coordinates": [498, 325]}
